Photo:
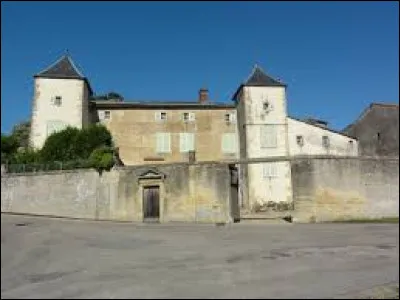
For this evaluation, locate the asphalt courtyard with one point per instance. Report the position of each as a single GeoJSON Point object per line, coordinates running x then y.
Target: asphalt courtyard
{"type": "Point", "coordinates": [58, 258]}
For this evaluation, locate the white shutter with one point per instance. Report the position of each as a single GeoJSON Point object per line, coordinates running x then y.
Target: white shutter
{"type": "Point", "coordinates": [159, 142]}
{"type": "Point", "coordinates": [192, 117]}
{"type": "Point", "coordinates": [157, 116]}
{"type": "Point", "coordinates": [191, 142]}
{"type": "Point", "coordinates": [228, 143]}
{"type": "Point", "coordinates": [167, 143]}
{"type": "Point", "coordinates": [182, 142]}
{"type": "Point", "coordinates": [268, 136]}
{"type": "Point", "coordinates": [232, 117]}
{"type": "Point", "coordinates": [186, 141]}
{"type": "Point", "coordinates": [270, 170]}
{"type": "Point", "coordinates": [101, 115]}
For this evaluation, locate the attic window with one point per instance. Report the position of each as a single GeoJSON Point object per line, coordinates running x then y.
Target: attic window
{"type": "Point", "coordinates": [107, 115]}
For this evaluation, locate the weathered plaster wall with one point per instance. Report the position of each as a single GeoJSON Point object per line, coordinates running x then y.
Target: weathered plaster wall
{"type": "Point", "coordinates": [345, 188]}
{"type": "Point", "coordinates": [192, 193]}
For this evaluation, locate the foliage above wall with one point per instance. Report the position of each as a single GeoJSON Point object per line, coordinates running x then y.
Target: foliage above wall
{"type": "Point", "coordinates": [90, 147]}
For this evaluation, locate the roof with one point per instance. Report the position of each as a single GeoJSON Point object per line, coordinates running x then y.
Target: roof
{"type": "Point", "coordinates": [323, 128]}
{"type": "Point", "coordinates": [157, 104]}
{"type": "Point", "coordinates": [63, 68]}
{"type": "Point", "coordinates": [259, 78]}
{"type": "Point", "coordinates": [368, 109]}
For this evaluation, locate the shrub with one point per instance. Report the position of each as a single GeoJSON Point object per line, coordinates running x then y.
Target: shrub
{"type": "Point", "coordinates": [102, 159]}
{"type": "Point", "coordinates": [60, 146]}
{"type": "Point", "coordinates": [90, 138]}
{"type": "Point", "coordinates": [9, 146]}
{"type": "Point", "coordinates": [26, 156]}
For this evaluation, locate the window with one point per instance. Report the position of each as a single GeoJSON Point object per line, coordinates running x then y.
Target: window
{"type": "Point", "coordinates": [104, 115]}
{"type": "Point", "coordinates": [163, 142]}
{"type": "Point", "coordinates": [161, 116]}
{"type": "Point", "coordinates": [186, 141]}
{"type": "Point", "coordinates": [268, 136]}
{"type": "Point", "coordinates": [57, 100]}
{"type": "Point", "coordinates": [299, 140]}
{"type": "Point", "coordinates": [325, 141]}
{"type": "Point", "coordinates": [187, 116]}
{"type": "Point", "coordinates": [230, 117]}
{"type": "Point", "coordinates": [269, 170]}
{"type": "Point", "coordinates": [229, 143]}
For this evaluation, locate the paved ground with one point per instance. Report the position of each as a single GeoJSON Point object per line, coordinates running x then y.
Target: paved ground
{"type": "Point", "coordinates": [42, 257]}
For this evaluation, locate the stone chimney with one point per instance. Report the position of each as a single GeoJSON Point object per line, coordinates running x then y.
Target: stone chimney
{"type": "Point", "coordinates": [203, 96]}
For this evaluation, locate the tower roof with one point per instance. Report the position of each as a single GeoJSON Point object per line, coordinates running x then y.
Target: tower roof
{"type": "Point", "coordinates": [259, 78]}
{"type": "Point", "coordinates": [62, 68]}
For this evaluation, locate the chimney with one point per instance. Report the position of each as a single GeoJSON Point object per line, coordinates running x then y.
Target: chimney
{"type": "Point", "coordinates": [203, 96]}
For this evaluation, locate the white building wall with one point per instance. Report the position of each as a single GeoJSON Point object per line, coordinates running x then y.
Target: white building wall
{"type": "Point", "coordinates": [70, 112]}
{"type": "Point", "coordinates": [312, 141]}
{"type": "Point", "coordinates": [278, 188]}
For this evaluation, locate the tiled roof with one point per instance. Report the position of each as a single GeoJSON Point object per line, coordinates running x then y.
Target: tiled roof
{"type": "Point", "coordinates": [157, 104]}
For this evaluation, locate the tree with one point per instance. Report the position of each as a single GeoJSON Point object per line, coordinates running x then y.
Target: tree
{"type": "Point", "coordinates": [21, 132]}
{"type": "Point", "coordinates": [75, 144]}
{"type": "Point", "coordinates": [9, 146]}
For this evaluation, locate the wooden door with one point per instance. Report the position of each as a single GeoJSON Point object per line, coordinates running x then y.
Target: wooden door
{"type": "Point", "coordinates": [151, 203]}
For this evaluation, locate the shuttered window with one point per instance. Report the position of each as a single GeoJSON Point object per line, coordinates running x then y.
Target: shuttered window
{"type": "Point", "coordinates": [229, 143]}
{"type": "Point", "coordinates": [163, 142]}
{"type": "Point", "coordinates": [270, 170]}
{"type": "Point", "coordinates": [268, 136]}
{"type": "Point", "coordinates": [186, 140]}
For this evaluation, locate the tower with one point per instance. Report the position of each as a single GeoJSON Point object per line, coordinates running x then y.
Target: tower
{"type": "Point", "coordinates": [61, 99]}
{"type": "Point", "coordinates": [262, 121]}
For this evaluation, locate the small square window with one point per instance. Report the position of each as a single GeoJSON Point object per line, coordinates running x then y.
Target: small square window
{"type": "Point", "coordinates": [186, 116]}
{"type": "Point", "coordinates": [227, 117]}
{"type": "Point", "coordinates": [299, 140]}
{"type": "Point", "coordinates": [107, 115]}
{"type": "Point", "coordinates": [325, 141]}
{"type": "Point", "coordinates": [163, 116]}
{"type": "Point", "coordinates": [57, 100]}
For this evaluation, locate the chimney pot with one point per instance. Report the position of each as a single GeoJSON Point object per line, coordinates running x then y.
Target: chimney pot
{"type": "Point", "coordinates": [203, 95]}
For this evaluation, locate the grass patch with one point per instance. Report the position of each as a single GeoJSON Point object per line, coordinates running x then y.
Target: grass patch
{"type": "Point", "coordinates": [369, 220]}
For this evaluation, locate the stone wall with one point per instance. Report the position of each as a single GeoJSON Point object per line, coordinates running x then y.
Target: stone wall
{"type": "Point", "coordinates": [192, 193]}
{"type": "Point", "coordinates": [345, 188]}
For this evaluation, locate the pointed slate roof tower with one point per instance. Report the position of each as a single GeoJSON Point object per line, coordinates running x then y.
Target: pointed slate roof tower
{"type": "Point", "coordinates": [259, 78]}
{"type": "Point", "coordinates": [63, 68]}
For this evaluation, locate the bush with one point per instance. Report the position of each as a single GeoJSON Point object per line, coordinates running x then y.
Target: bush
{"type": "Point", "coordinates": [60, 146]}
{"type": "Point", "coordinates": [74, 144]}
{"type": "Point", "coordinates": [102, 159]}
{"type": "Point", "coordinates": [90, 138]}
{"type": "Point", "coordinates": [26, 156]}
{"type": "Point", "coordinates": [9, 146]}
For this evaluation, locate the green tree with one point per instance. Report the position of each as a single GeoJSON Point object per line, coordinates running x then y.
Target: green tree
{"type": "Point", "coordinates": [21, 132]}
